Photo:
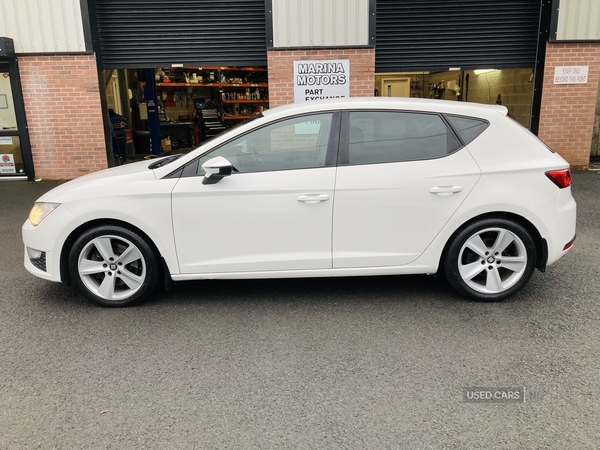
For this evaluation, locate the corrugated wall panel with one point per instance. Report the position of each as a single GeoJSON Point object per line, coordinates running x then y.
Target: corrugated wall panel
{"type": "Point", "coordinates": [320, 23]}
{"type": "Point", "coordinates": [158, 33]}
{"type": "Point", "coordinates": [578, 20]}
{"type": "Point", "coordinates": [43, 26]}
{"type": "Point", "coordinates": [435, 35]}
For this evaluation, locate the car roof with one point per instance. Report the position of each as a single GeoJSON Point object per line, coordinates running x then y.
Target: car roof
{"type": "Point", "coordinates": [411, 104]}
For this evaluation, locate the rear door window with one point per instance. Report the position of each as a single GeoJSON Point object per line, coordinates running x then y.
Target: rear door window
{"type": "Point", "coordinates": [383, 137]}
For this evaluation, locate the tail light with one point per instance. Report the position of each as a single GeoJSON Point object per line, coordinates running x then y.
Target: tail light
{"type": "Point", "coordinates": [561, 178]}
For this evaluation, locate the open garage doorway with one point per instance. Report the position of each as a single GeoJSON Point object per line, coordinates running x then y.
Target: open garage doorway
{"type": "Point", "coordinates": [512, 88]}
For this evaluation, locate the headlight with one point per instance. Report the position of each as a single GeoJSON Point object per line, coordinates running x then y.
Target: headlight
{"type": "Point", "coordinates": [40, 211]}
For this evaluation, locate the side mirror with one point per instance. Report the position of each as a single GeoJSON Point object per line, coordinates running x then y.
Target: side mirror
{"type": "Point", "coordinates": [215, 169]}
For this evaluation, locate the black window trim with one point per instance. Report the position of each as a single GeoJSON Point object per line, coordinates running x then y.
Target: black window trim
{"type": "Point", "coordinates": [344, 151]}
{"type": "Point", "coordinates": [190, 169]}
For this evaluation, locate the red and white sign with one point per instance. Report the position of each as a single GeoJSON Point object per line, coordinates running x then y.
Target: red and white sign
{"type": "Point", "coordinates": [571, 74]}
{"type": "Point", "coordinates": [7, 163]}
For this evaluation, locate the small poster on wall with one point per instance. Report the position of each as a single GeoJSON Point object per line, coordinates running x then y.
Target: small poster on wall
{"type": "Point", "coordinates": [316, 80]}
{"type": "Point", "coordinates": [7, 163]}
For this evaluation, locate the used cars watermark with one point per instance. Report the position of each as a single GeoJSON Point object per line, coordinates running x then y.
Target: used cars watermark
{"type": "Point", "coordinates": [502, 395]}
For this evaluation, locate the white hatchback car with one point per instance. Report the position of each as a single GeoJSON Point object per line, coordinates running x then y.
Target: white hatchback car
{"type": "Point", "coordinates": [369, 186]}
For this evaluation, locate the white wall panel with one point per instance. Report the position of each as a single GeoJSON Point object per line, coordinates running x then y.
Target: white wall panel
{"type": "Point", "coordinates": [320, 23]}
{"type": "Point", "coordinates": [43, 26]}
{"type": "Point", "coordinates": [578, 20]}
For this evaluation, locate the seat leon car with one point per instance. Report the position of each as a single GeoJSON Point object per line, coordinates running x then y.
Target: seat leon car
{"type": "Point", "coordinates": [332, 188]}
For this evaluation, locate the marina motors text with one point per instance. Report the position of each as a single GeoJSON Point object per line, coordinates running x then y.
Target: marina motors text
{"type": "Point", "coordinates": [311, 74]}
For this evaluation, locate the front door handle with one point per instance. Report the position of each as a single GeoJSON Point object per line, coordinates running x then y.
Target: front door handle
{"type": "Point", "coordinates": [313, 198]}
{"type": "Point", "coordinates": [445, 190]}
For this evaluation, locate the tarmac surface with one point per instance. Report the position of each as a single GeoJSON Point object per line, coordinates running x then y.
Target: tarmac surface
{"type": "Point", "coordinates": [377, 362]}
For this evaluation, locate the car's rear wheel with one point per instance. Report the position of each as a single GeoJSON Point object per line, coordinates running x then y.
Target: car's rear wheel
{"type": "Point", "coordinates": [490, 259]}
{"type": "Point", "coordinates": [113, 266]}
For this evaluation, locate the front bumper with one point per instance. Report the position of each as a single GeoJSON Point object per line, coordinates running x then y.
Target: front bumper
{"type": "Point", "coordinates": [44, 243]}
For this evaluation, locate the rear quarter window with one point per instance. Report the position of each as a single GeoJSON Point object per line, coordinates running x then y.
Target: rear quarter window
{"type": "Point", "coordinates": [467, 128]}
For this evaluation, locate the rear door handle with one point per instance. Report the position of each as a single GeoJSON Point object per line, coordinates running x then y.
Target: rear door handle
{"type": "Point", "coordinates": [313, 198]}
{"type": "Point", "coordinates": [445, 190]}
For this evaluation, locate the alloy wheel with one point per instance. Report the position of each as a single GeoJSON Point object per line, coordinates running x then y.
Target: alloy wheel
{"type": "Point", "coordinates": [112, 267]}
{"type": "Point", "coordinates": [492, 260]}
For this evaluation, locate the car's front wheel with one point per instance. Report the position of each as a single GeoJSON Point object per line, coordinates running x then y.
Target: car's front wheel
{"type": "Point", "coordinates": [490, 259]}
{"type": "Point", "coordinates": [113, 266]}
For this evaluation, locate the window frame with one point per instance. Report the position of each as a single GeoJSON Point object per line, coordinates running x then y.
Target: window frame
{"type": "Point", "coordinates": [344, 151]}
{"type": "Point", "coordinates": [190, 169]}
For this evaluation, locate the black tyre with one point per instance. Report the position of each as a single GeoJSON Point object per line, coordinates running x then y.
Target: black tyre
{"type": "Point", "coordinates": [490, 259]}
{"type": "Point", "coordinates": [113, 266]}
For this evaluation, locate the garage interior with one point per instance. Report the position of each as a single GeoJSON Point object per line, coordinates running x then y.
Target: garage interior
{"type": "Point", "coordinates": [192, 105]}
{"type": "Point", "coordinates": [512, 88]}
{"type": "Point", "coordinates": [178, 73]}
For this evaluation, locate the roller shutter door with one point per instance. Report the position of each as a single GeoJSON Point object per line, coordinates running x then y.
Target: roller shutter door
{"type": "Point", "coordinates": [436, 35]}
{"type": "Point", "coordinates": [153, 33]}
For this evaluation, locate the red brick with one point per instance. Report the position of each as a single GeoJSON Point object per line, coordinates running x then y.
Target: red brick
{"type": "Point", "coordinates": [567, 111]}
{"type": "Point", "coordinates": [65, 120]}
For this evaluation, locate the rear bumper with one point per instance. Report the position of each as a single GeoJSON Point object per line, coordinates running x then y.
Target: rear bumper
{"type": "Point", "coordinates": [556, 220]}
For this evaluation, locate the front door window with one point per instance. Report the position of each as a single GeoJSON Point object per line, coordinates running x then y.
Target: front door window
{"type": "Point", "coordinates": [297, 143]}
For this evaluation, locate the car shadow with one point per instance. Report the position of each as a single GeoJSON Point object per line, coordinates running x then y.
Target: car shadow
{"type": "Point", "coordinates": [405, 288]}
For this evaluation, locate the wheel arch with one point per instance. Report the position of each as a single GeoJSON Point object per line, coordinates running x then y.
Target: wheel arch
{"type": "Point", "coordinates": [541, 246]}
{"type": "Point", "coordinates": [65, 275]}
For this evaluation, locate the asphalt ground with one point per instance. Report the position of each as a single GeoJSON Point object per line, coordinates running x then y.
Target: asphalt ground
{"type": "Point", "coordinates": [341, 363]}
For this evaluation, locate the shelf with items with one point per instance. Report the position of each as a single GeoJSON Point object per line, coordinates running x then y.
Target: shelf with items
{"type": "Point", "coordinates": [212, 76]}
{"type": "Point", "coordinates": [239, 103]}
{"type": "Point", "coordinates": [217, 85]}
{"type": "Point", "coordinates": [237, 117]}
{"type": "Point", "coordinates": [220, 68]}
{"type": "Point", "coordinates": [437, 90]}
{"type": "Point", "coordinates": [243, 95]}
{"type": "Point", "coordinates": [244, 101]}
{"type": "Point", "coordinates": [240, 111]}
{"type": "Point", "coordinates": [233, 93]}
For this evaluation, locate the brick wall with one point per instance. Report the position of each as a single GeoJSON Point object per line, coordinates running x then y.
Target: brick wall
{"type": "Point", "coordinates": [568, 110]}
{"type": "Point", "coordinates": [64, 115]}
{"type": "Point", "coordinates": [281, 71]}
